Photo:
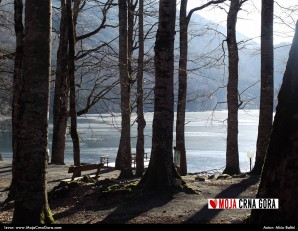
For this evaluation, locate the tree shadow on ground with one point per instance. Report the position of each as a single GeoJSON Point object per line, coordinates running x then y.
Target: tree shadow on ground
{"type": "Point", "coordinates": [125, 207]}
{"type": "Point", "coordinates": [135, 207]}
{"type": "Point", "coordinates": [233, 191]}
{"type": "Point", "coordinates": [78, 205]}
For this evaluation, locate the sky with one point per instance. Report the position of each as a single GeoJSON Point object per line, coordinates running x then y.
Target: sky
{"type": "Point", "coordinates": [249, 18]}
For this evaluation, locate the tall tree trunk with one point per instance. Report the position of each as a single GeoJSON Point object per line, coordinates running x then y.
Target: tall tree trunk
{"type": "Point", "coordinates": [31, 203]}
{"type": "Point", "coordinates": [280, 171]}
{"type": "Point", "coordinates": [60, 114]}
{"type": "Point", "coordinates": [232, 153]}
{"type": "Point", "coordinates": [180, 123]}
{"type": "Point", "coordinates": [140, 151]}
{"type": "Point", "coordinates": [75, 15]}
{"type": "Point", "coordinates": [17, 84]}
{"type": "Point", "coordinates": [123, 160]}
{"type": "Point", "coordinates": [72, 87]}
{"type": "Point", "coordinates": [266, 101]}
{"type": "Point", "coordinates": [161, 175]}
{"type": "Point", "coordinates": [130, 29]}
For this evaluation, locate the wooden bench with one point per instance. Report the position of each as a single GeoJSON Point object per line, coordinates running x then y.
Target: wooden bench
{"type": "Point", "coordinates": [104, 160]}
{"type": "Point", "coordinates": [76, 170]}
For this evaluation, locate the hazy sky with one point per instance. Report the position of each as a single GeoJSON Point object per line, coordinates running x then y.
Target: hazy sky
{"type": "Point", "coordinates": [249, 21]}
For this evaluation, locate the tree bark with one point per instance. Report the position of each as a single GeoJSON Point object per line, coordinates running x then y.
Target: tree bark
{"type": "Point", "coordinates": [17, 84]}
{"type": "Point", "coordinates": [60, 113]}
{"type": "Point", "coordinates": [267, 94]}
{"type": "Point", "coordinates": [280, 171]}
{"type": "Point", "coordinates": [180, 123]}
{"type": "Point", "coordinates": [130, 29]}
{"type": "Point", "coordinates": [72, 87]}
{"type": "Point", "coordinates": [161, 175]}
{"type": "Point", "coordinates": [123, 159]}
{"type": "Point", "coordinates": [140, 151]}
{"type": "Point", "coordinates": [31, 204]}
{"type": "Point", "coordinates": [232, 153]}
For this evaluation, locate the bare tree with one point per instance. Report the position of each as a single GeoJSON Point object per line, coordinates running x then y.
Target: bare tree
{"type": "Point", "coordinates": [7, 55]}
{"type": "Point", "coordinates": [71, 14]}
{"type": "Point", "coordinates": [180, 123]}
{"type": "Point", "coordinates": [97, 91]}
{"type": "Point", "coordinates": [232, 153]}
{"type": "Point", "coordinates": [182, 91]}
{"type": "Point", "coordinates": [280, 171]}
{"type": "Point", "coordinates": [31, 204]}
{"type": "Point", "coordinates": [161, 175]}
{"type": "Point", "coordinates": [267, 88]}
{"type": "Point", "coordinates": [60, 108]}
{"type": "Point", "coordinates": [123, 159]}
{"type": "Point", "coordinates": [140, 104]}
{"type": "Point", "coordinates": [17, 82]}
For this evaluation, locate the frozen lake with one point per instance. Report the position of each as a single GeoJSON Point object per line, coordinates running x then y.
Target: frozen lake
{"type": "Point", "coordinates": [205, 138]}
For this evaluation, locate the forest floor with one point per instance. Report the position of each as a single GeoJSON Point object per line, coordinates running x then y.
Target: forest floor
{"type": "Point", "coordinates": [108, 200]}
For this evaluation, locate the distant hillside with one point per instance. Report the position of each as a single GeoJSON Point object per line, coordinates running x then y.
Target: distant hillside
{"type": "Point", "coordinates": [206, 77]}
{"type": "Point", "coordinates": [207, 73]}
{"type": "Point", "coordinates": [210, 79]}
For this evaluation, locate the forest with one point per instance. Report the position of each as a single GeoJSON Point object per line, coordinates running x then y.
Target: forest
{"type": "Point", "coordinates": [64, 60]}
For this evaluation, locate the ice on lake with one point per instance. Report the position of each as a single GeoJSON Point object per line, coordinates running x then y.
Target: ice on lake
{"type": "Point", "coordinates": [205, 134]}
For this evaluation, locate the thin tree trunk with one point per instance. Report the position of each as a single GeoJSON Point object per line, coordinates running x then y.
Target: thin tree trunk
{"type": "Point", "coordinates": [180, 123]}
{"type": "Point", "coordinates": [161, 175]}
{"type": "Point", "coordinates": [60, 114]}
{"type": "Point", "coordinates": [17, 84]}
{"type": "Point", "coordinates": [31, 204]}
{"type": "Point", "coordinates": [75, 14]}
{"type": "Point", "coordinates": [140, 151]}
{"type": "Point", "coordinates": [130, 22]}
{"type": "Point", "coordinates": [280, 171]}
{"type": "Point", "coordinates": [72, 88]}
{"type": "Point", "coordinates": [232, 153]}
{"type": "Point", "coordinates": [266, 102]}
{"type": "Point", "coordinates": [123, 160]}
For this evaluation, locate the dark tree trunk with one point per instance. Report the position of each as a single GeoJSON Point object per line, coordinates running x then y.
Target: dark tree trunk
{"type": "Point", "coordinates": [280, 171]}
{"type": "Point", "coordinates": [130, 22]}
{"type": "Point", "coordinates": [232, 153]}
{"type": "Point", "coordinates": [123, 159]}
{"type": "Point", "coordinates": [72, 87]}
{"type": "Point", "coordinates": [31, 203]}
{"type": "Point", "coordinates": [75, 14]}
{"type": "Point", "coordinates": [161, 176]}
{"type": "Point", "coordinates": [17, 84]}
{"type": "Point", "coordinates": [60, 113]}
{"type": "Point", "coordinates": [140, 103]}
{"type": "Point", "coordinates": [180, 123]}
{"type": "Point", "coordinates": [266, 101]}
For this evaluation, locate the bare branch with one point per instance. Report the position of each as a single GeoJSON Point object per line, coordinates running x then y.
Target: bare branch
{"type": "Point", "coordinates": [202, 7]}
{"type": "Point", "coordinates": [102, 25]}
